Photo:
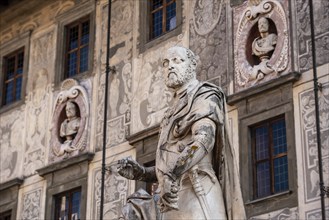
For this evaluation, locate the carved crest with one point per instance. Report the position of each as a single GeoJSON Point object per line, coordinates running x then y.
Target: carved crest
{"type": "Point", "coordinates": [252, 65]}
{"type": "Point", "coordinates": [70, 121]}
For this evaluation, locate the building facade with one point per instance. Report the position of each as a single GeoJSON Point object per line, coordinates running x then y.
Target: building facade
{"type": "Point", "coordinates": [53, 62]}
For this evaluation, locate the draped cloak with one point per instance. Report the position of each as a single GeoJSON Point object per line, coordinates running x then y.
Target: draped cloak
{"type": "Point", "coordinates": [205, 100]}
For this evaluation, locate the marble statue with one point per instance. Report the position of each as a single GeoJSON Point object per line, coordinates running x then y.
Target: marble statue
{"type": "Point", "coordinates": [192, 153]}
{"type": "Point", "coordinates": [263, 47]}
{"type": "Point", "coordinates": [69, 127]}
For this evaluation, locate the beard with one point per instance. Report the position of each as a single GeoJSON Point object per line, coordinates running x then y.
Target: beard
{"type": "Point", "coordinates": [174, 80]}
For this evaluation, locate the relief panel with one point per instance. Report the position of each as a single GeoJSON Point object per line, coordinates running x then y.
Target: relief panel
{"type": "Point", "coordinates": [11, 147]}
{"type": "Point", "coordinates": [208, 40]}
{"type": "Point", "coordinates": [31, 209]}
{"type": "Point", "coordinates": [309, 150]}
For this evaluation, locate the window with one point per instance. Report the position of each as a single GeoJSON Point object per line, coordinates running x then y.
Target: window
{"type": "Point", "coordinates": [5, 215]}
{"type": "Point", "coordinates": [77, 47]}
{"type": "Point", "coordinates": [162, 17]}
{"type": "Point", "coordinates": [269, 153]}
{"type": "Point", "coordinates": [12, 77]}
{"type": "Point", "coordinates": [160, 20]}
{"type": "Point", "coordinates": [67, 205]}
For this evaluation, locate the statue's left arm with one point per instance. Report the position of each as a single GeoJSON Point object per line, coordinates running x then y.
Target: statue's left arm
{"type": "Point", "coordinates": [203, 137]}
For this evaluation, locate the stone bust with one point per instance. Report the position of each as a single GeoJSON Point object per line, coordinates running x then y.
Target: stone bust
{"type": "Point", "coordinates": [70, 126]}
{"type": "Point", "coordinates": [188, 154]}
{"type": "Point", "coordinates": [263, 47]}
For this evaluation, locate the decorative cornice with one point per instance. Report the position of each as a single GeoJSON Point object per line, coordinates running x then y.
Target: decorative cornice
{"type": "Point", "coordinates": [11, 183]}
{"type": "Point", "coordinates": [269, 85]}
{"type": "Point", "coordinates": [66, 163]}
{"type": "Point", "coordinates": [132, 139]}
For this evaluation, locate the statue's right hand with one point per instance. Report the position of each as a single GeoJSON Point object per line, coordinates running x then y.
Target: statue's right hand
{"type": "Point", "coordinates": [130, 169]}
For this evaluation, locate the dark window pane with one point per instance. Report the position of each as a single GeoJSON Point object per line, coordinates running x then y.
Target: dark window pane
{"type": "Point", "coordinates": [157, 24]}
{"type": "Point", "coordinates": [171, 17]}
{"type": "Point", "coordinates": [263, 179]}
{"type": "Point", "coordinates": [261, 134]}
{"type": "Point", "coordinates": [156, 4]}
{"type": "Point", "coordinates": [10, 68]}
{"type": "Point", "coordinates": [279, 137]}
{"type": "Point", "coordinates": [73, 39]}
{"type": "Point", "coordinates": [72, 64]}
{"type": "Point", "coordinates": [9, 98]}
{"type": "Point", "coordinates": [5, 215]}
{"type": "Point", "coordinates": [281, 174]}
{"type": "Point", "coordinates": [20, 60]}
{"type": "Point", "coordinates": [76, 205]}
{"type": "Point", "coordinates": [18, 88]}
{"type": "Point", "coordinates": [84, 59]}
{"type": "Point", "coordinates": [85, 33]}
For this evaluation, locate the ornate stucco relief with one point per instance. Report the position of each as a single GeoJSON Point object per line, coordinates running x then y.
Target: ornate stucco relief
{"type": "Point", "coordinates": [250, 67]}
{"type": "Point", "coordinates": [32, 205]}
{"type": "Point", "coordinates": [309, 149]}
{"type": "Point", "coordinates": [287, 213]}
{"type": "Point", "coordinates": [115, 195]}
{"type": "Point", "coordinates": [12, 146]}
{"type": "Point", "coordinates": [120, 79]}
{"type": "Point", "coordinates": [70, 121]}
{"type": "Point", "coordinates": [208, 40]}
{"type": "Point", "coordinates": [321, 16]}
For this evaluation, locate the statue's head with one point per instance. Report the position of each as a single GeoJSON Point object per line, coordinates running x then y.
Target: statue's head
{"type": "Point", "coordinates": [179, 67]}
{"type": "Point", "coordinates": [71, 109]}
{"type": "Point", "coordinates": [263, 25]}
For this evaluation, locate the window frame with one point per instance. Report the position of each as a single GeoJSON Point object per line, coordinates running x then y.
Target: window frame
{"type": "Point", "coordinates": [162, 8]}
{"type": "Point", "coordinates": [60, 195]}
{"type": "Point", "coordinates": [257, 206]}
{"type": "Point", "coordinates": [5, 215]}
{"type": "Point", "coordinates": [15, 44]}
{"type": "Point", "coordinates": [81, 11]}
{"type": "Point", "coordinates": [14, 78]}
{"type": "Point", "coordinates": [145, 42]}
{"type": "Point", "coordinates": [268, 123]}
{"type": "Point", "coordinates": [78, 23]}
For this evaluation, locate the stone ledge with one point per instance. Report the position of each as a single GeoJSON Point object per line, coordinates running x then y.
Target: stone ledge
{"type": "Point", "coordinates": [11, 183]}
{"type": "Point", "coordinates": [66, 163]}
{"type": "Point", "coordinates": [269, 85]}
{"type": "Point", "coordinates": [143, 134]}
